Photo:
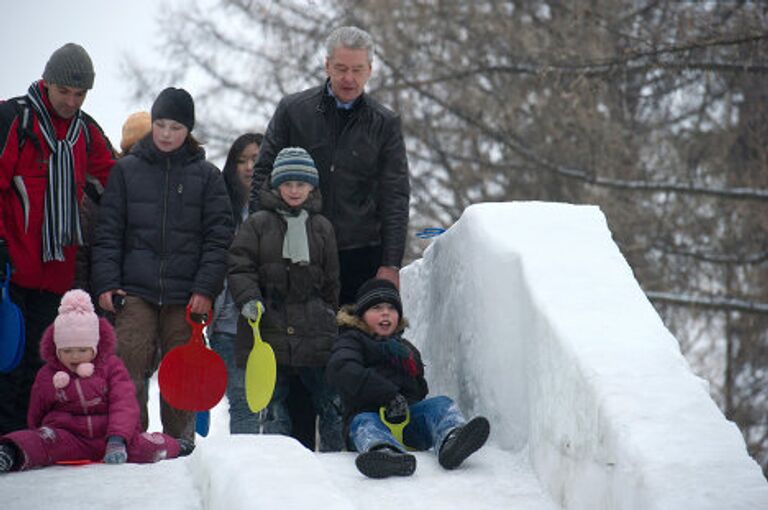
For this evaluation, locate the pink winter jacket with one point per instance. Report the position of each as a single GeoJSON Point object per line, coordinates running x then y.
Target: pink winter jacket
{"type": "Point", "coordinates": [98, 406]}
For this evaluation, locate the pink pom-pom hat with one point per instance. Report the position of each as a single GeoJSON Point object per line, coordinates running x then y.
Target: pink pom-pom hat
{"type": "Point", "coordinates": [77, 324]}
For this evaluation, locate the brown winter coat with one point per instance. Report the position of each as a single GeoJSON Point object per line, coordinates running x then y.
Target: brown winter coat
{"type": "Point", "coordinates": [300, 299]}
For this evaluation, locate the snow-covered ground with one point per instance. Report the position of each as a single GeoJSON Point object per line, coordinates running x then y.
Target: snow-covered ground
{"type": "Point", "coordinates": [266, 472]}
{"type": "Point", "coordinates": [526, 313]}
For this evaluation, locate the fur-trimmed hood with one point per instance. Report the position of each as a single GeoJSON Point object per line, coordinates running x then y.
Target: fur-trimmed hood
{"type": "Point", "coordinates": [346, 318]}
{"type": "Point", "coordinates": [105, 348]}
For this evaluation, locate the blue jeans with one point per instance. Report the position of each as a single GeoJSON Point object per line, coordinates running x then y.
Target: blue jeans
{"type": "Point", "coordinates": [241, 419]}
{"type": "Point", "coordinates": [325, 400]}
{"type": "Point", "coordinates": [431, 421]}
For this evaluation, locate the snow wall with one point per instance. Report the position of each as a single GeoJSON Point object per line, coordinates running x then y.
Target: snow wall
{"type": "Point", "coordinates": [529, 314]}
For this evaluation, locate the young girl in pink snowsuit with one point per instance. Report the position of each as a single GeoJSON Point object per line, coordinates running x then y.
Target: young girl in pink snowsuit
{"type": "Point", "coordinates": [83, 403]}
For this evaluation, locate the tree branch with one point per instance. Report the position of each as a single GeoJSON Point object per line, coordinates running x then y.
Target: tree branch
{"type": "Point", "coordinates": [713, 303]}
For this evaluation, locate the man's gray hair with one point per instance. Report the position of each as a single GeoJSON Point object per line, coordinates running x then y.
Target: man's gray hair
{"type": "Point", "coordinates": [350, 37]}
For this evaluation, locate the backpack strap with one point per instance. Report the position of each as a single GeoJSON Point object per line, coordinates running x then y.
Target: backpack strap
{"type": "Point", "coordinates": [24, 127]}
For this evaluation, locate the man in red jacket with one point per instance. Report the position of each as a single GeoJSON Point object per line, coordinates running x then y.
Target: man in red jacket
{"type": "Point", "coordinates": [49, 148]}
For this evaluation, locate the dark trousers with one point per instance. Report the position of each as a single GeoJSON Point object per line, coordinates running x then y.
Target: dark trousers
{"type": "Point", "coordinates": [302, 413]}
{"type": "Point", "coordinates": [355, 267]}
{"type": "Point", "coordinates": [144, 329]}
{"type": "Point", "coordinates": [39, 309]}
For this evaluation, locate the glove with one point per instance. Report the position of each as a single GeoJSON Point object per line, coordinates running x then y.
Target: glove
{"type": "Point", "coordinates": [116, 453]}
{"type": "Point", "coordinates": [5, 259]}
{"type": "Point", "coordinates": [397, 409]}
{"type": "Point", "coordinates": [251, 309]}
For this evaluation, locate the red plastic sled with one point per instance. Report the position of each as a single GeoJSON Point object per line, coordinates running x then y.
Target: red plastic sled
{"type": "Point", "coordinates": [192, 377]}
{"type": "Point", "coordinates": [77, 462]}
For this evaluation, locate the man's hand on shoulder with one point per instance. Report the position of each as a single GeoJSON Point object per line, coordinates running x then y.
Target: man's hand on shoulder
{"type": "Point", "coordinates": [390, 273]}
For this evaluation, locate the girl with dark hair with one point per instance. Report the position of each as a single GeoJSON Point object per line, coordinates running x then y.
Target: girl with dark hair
{"type": "Point", "coordinates": [238, 171]}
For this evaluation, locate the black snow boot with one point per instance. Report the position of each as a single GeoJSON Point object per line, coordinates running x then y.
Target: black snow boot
{"type": "Point", "coordinates": [185, 447]}
{"type": "Point", "coordinates": [8, 457]}
{"type": "Point", "coordinates": [385, 461]}
{"type": "Point", "coordinates": [463, 441]}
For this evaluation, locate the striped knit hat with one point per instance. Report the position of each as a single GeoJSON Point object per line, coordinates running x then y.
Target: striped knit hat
{"type": "Point", "coordinates": [375, 291]}
{"type": "Point", "coordinates": [294, 164]}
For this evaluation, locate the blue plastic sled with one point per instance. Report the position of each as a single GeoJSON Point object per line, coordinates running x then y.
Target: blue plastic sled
{"type": "Point", "coordinates": [202, 422]}
{"type": "Point", "coordinates": [12, 334]}
{"type": "Point", "coordinates": [429, 232]}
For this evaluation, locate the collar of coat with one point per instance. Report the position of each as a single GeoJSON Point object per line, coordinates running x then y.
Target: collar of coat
{"type": "Point", "coordinates": [146, 149]}
{"type": "Point", "coordinates": [346, 318]}
{"type": "Point", "coordinates": [328, 101]}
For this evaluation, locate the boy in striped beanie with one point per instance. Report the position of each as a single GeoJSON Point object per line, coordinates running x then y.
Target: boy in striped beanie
{"type": "Point", "coordinates": [284, 262]}
{"type": "Point", "coordinates": [294, 164]}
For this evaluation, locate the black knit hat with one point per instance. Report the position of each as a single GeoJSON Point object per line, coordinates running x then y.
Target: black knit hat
{"type": "Point", "coordinates": [375, 291]}
{"type": "Point", "coordinates": [175, 104]}
{"type": "Point", "coordinates": [70, 66]}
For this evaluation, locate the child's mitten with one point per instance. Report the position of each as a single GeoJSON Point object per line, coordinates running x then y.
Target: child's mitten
{"type": "Point", "coordinates": [116, 453]}
{"type": "Point", "coordinates": [251, 309]}
{"type": "Point", "coordinates": [397, 409]}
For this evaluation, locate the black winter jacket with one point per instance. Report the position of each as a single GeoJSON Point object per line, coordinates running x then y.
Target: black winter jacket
{"type": "Point", "coordinates": [164, 226]}
{"type": "Point", "coordinates": [300, 299]}
{"type": "Point", "coordinates": [363, 167]}
{"type": "Point", "coordinates": [366, 375]}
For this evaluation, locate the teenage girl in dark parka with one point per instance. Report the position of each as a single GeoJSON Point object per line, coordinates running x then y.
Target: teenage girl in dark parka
{"type": "Point", "coordinates": [161, 244]}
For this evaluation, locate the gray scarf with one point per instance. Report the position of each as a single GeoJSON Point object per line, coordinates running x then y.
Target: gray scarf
{"type": "Point", "coordinates": [296, 243]}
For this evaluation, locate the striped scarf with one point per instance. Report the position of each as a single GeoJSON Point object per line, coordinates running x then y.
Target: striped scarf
{"type": "Point", "coordinates": [61, 221]}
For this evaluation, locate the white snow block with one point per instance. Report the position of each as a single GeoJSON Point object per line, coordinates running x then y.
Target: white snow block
{"type": "Point", "coordinates": [262, 472]}
{"type": "Point", "coordinates": [528, 313]}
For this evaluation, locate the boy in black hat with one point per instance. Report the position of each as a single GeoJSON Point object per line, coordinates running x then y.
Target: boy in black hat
{"type": "Point", "coordinates": [380, 376]}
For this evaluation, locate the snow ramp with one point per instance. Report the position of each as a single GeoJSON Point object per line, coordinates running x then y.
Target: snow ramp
{"type": "Point", "coordinates": [529, 314]}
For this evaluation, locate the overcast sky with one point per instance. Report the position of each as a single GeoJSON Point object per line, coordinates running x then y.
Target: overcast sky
{"type": "Point", "coordinates": [31, 30]}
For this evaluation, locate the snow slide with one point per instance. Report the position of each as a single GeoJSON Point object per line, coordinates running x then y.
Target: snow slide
{"type": "Point", "coordinates": [530, 315]}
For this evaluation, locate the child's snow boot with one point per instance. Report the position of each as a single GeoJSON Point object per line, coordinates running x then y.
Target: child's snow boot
{"type": "Point", "coordinates": [8, 456]}
{"type": "Point", "coordinates": [463, 441]}
{"type": "Point", "coordinates": [185, 447]}
{"type": "Point", "coordinates": [385, 461]}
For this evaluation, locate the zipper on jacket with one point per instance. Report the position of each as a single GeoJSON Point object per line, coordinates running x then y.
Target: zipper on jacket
{"type": "Point", "coordinates": [87, 412]}
{"type": "Point", "coordinates": [162, 230]}
{"type": "Point", "coordinates": [338, 135]}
